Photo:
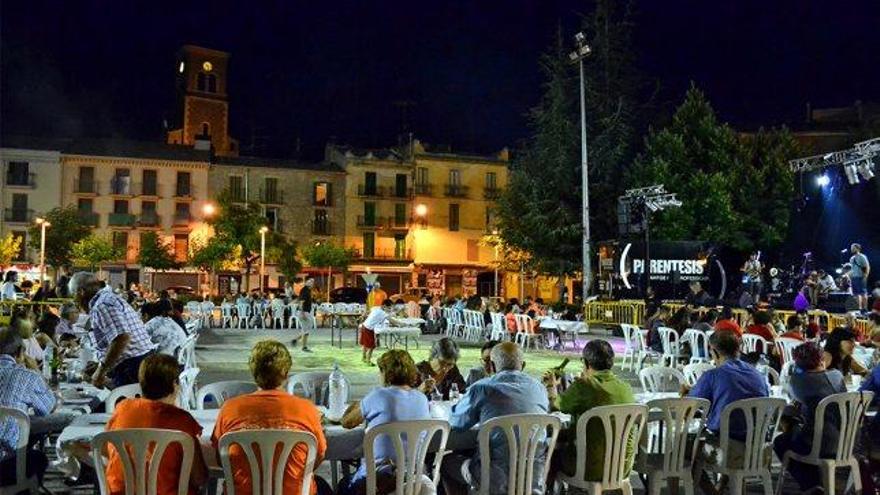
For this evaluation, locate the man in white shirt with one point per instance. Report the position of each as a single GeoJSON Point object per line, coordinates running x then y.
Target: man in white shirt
{"type": "Point", "coordinates": [7, 289]}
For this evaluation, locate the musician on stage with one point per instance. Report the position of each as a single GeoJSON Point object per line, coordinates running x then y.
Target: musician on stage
{"type": "Point", "coordinates": [861, 269]}
{"type": "Point", "coordinates": [752, 276]}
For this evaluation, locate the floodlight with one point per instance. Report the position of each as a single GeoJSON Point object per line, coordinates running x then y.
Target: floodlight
{"type": "Point", "coordinates": [866, 169]}
{"type": "Point", "coordinates": [851, 171]}
{"type": "Point", "coordinates": [823, 180]}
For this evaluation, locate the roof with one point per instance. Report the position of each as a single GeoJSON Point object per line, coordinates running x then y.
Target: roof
{"type": "Point", "coordinates": [257, 161]}
{"type": "Point", "coordinates": [107, 147]}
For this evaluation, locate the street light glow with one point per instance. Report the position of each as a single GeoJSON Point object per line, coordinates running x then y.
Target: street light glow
{"type": "Point", "coordinates": [208, 209]}
{"type": "Point", "coordinates": [264, 229]}
{"type": "Point", "coordinates": [421, 209]}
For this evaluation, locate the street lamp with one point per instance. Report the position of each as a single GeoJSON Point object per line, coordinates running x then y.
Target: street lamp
{"type": "Point", "coordinates": [578, 56]}
{"type": "Point", "coordinates": [44, 224]}
{"type": "Point", "coordinates": [421, 211]}
{"type": "Point", "coordinates": [495, 233]}
{"type": "Point", "coordinates": [208, 210]}
{"type": "Point", "coordinates": [263, 231]}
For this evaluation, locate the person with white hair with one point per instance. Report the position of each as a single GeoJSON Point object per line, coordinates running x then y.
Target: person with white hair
{"type": "Point", "coordinates": [508, 391]}
{"type": "Point", "coordinates": [120, 338]}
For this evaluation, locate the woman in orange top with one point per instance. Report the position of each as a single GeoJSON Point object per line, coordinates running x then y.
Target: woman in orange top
{"type": "Point", "coordinates": [157, 376]}
{"type": "Point", "coordinates": [271, 407]}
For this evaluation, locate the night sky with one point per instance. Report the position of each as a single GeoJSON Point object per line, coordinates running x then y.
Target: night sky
{"type": "Point", "coordinates": [310, 71]}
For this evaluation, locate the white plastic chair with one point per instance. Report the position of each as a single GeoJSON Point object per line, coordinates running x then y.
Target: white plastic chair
{"type": "Point", "coordinates": [671, 345]}
{"type": "Point", "coordinates": [187, 379]}
{"type": "Point", "coordinates": [278, 308]}
{"type": "Point", "coordinates": [411, 440]}
{"type": "Point", "coordinates": [208, 313]}
{"type": "Point", "coordinates": [293, 308]}
{"type": "Point", "coordinates": [621, 424]}
{"type": "Point", "coordinates": [21, 481]}
{"type": "Point", "coordinates": [785, 346]}
{"type": "Point", "coordinates": [750, 343]}
{"type": "Point", "coordinates": [194, 309]}
{"type": "Point", "coordinates": [693, 372]}
{"type": "Point", "coordinates": [137, 448]}
{"type": "Point", "coordinates": [244, 314]}
{"type": "Point", "coordinates": [499, 327]}
{"type": "Point", "coordinates": [851, 407]}
{"type": "Point", "coordinates": [630, 345]}
{"type": "Point", "coordinates": [645, 350]}
{"type": "Point", "coordinates": [223, 391]}
{"type": "Point", "coordinates": [257, 445]}
{"type": "Point", "coordinates": [525, 435]}
{"type": "Point", "coordinates": [699, 344]}
{"type": "Point", "coordinates": [186, 355]}
{"type": "Point", "coordinates": [525, 333]}
{"type": "Point", "coordinates": [119, 393]}
{"type": "Point", "coordinates": [682, 422]}
{"type": "Point", "coordinates": [314, 386]}
{"type": "Point", "coordinates": [226, 315]}
{"type": "Point", "coordinates": [761, 416]}
{"type": "Point", "coordinates": [656, 379]}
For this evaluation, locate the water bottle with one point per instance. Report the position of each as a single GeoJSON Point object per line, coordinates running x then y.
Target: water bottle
{"type": "Point", "coordinates": [48, 356]}
{"type": "Point", "coordinates": [763, 367]}
{"type": "Point", "coordinates": [338, 393]}
{"type": "Point", "coordinates": [454, 394]}
{"type": "Point", "coordinates": [436, 396]}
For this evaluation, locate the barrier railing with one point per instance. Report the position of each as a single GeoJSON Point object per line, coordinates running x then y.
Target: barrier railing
{"type": "Point", "coordinates": [615, 312]}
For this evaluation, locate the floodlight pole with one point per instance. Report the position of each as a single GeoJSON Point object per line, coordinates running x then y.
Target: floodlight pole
{"type": "Point", "coordinates": [578, 54]}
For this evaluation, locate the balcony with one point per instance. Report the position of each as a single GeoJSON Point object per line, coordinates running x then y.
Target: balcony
{"type": "Point", "coordinates": [89, 218]}
{"type": "Point", "coordinates": [121, 187]}
{"type": "Point", "coordinates": [183, 190]}
{"type": "Point", "coordinates": [19, 215]}
{"type": "Point", "coordinates": [321, 228]}
{"type": "Point", "coordinates": [395, 223]}
{"type": "Point", "coordinates": [423, 189]}
{"type": "Point", "coordinates": [85, 186]}
{"type": "Point", "coordinates": [371, 222]}
{"type": "Point", "coordinates": [371, 192]}
{"type": "Point", "coordinates": [182, 219]}
{"type": "Point", "coordinates": [150, 189]}
{"type": "Point", "coordinates": [21, 180]}
{"type": "Point", "coordinates": [120, 220]}
{"type": "Point", "coordinates": [149, 219]}
{"type": "Point", "coordinates": [271, 197]}
{"type": "Point", "coordinates": [385, 254]}
{"type": "Point", "coordinates": [405, 193]}
{"type": "Point", "coordinates": [456, 191]}
{"type": "Point", "coordinates": [491, 193]}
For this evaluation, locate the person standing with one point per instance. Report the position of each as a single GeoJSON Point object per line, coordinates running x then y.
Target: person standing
{"type": "Point", "coordinates": [378, 316]}
{"type": "Point", "coordinates": [7, 289]}
{"type": "Point", "coordinates": [120, 338]}
{"type": "Point", "coordinates": [752, 278]}
{"type": "Point", "coordinates": [376, 297]}
{"type": "Point", "coordinates": [305, 319]}
{"type": "Point", "coordinates": [861, 269]}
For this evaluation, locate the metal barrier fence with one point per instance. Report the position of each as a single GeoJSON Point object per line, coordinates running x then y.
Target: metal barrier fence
{"type": "Point", "coordinates": [615, 312]}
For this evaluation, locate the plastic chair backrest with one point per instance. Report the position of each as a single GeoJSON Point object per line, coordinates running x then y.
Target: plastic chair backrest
{"type": "Point", "coordinates": [670, 341]}
{"type": "Point", "coordinates": [661, 379]}
{"type": "Point", "coordinates": [523, 323]}
{"type": "Point", "coordinates": [226, 309]}
{"type": "Point", "coordinates": [187, 353]}
{"type": "Point", "coordinates": [187, 397]}
{"type": "Point", "coordinates": [525, 434]}
{"type": "Point", "coordinates": [278, 308]}
{"type": "Point", "coordinates": [677, 416]}
{"type": "Point", "coordinates": [850, 407]}
{"type": "Point", "coordinates": [761, 415]}
{"type": "Point", "coordinates": [314, 385]}
{"type": "Point", "coordinates": [119, 393]}
{"type": "Point", "coordinates": [620, 423]}
{"type": "Point", "coordinates": [693, 372]}
{"type": "Point", "coordinates": [244, 309]}
{"type": "Point", "coordinates": [630, 336]}
{"type": "Point", "coordinates": [642, 335]}
{"type": "Point", "coordinates": [23, 422]}
{"type": "Point", "coordinates": [340, 307]}
{"type": "Point", "coordinates": [411, 440]}
{"type": "Point", "coordinates": [258, 445]}
{"type": "Point", "coordinates": [699, 343]}
{"type": "Point", "coordinates": [222, 391]}
{"type": "Point", "coordinates": [785, 346]}
{"type": "Point", "coordinates": [325, 307]}
{"type": "Point", "coordinates": [750, 343]}
{"type": "Point", "coordinates": [137, 447]}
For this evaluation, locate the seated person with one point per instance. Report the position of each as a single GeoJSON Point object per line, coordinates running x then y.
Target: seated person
{"type": "Point", "coordinates": [485, 369]}
{"type": "Point", "coordinates": [271, 407]}
{"type": "Point", "coordinates": [727, 322]}
{"type": "Point", "coordinates": [510, 319]}
{"type": "Point", "coordinates": [810, 383]}
{"type": "Point", "coordinates": [654, 323]}
{"type": "Point", "coordinates": [794, 328]}
{"type": "Point", "coordinates": [440, 371]}
{"type": "Point", "coordinates": [508, 391]}
{"type": "Point", "coordinates": [22, 389]}
{"type": "Point", "coordinates": [22, 322]}
{"type": "Point", "coordinates": [762, 326]}
{"type": "Point", "coordinates": [839, 347]}
{"type": "Point", "coordinates": [157, 408]}
{"type": "Point", "coordinates": [69, 317]}
{"type": "Point", "coordinates": [596, 386]}
{"type": "Point", "coordinates": [163, 330]}
{"type": "Point", "coordinates": [730, 381]}
{"type": "Point", "coordinates": [396, 400]}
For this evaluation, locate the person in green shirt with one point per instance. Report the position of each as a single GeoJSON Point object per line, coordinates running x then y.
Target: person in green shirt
{"type": "Point", "coordinates": [596, 386]}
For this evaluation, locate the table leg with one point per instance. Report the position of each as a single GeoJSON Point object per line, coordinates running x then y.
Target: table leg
{"type": "Point", "coordinates": [334, 473]}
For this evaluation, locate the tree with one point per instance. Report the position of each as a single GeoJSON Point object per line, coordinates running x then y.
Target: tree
{"type": "Point", "coordinates": [211, 254]}
{"type": "Point", "coordinates": [328, 255]}
{"type": "Point", "coordinates": [285, 254]}
{"type": "Point", "coordinates": [237, 225]}
{"type": "Point", "coordinates": [156, 254]}
{"type": "Point", "coordinates": [93, 251]}
{"type": "Point", "coordinates": [66, 230]}
{"type": "Point", "coordinates": [9, 248]}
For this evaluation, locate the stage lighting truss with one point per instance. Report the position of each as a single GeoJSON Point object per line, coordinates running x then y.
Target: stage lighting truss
{"type": "Point", "coordinates": [655, 198]}
{"type": "Point", "coordinates": [857, 162]}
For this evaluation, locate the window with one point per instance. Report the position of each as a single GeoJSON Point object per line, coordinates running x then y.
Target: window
{"type": "Point", "coordinates": [453, 217]}
{"type": "Point", "coordinates": [400, 246]}
{"type": "Point", "coordinates": [400, 214]}
{"type": "Point", "coordinates": [400, 186]}
{"type": "Point", "coordinates": [181, 247]}
{"type": "Point", "coordinates": [21, 255]}
{"type": "Point", "coordinates": [490, 219]}
{"type": "Point", "coordinates": [369, 214]}
{"type": "Point", "coordinates": [121, 182]}
{"type": "Point", "coordinates": [272, 218]}
{"type": "Point", "coordinates": [321, 194]}
{"type": "Point", "coordinates": [148, 213]}
{"type": "Point", "coordinates": [184, 189]}
{"type": "Point", "coordinates": [200, 81]}
{"type": "Point", "coordinates": [270, 190]}
{"type": "Point", "coordinates": [150, 183]}
{"type": "Point", "coordinates": [236, 188]}
{"type": "Point", "coordinates": [212, 83]}
{"type": "Point", "coordinates": [181, 213]}
{"type": "Point", "coordinates": [369, 245]}
{"type": "Point", "coordinates": [491, 180]}
{"type": "Point", "coordinates": [321, 223]}
{"type": "Point", "coordinates": [370, 183]}
{"type": "Point", "coordinates": [19, 211]}
{"type": "Point", "coordinates": [422, 175]}
{"type": "Point", "coordinates": [85, 205]}
{"type": "Point", "coordinates": [86, 181]}
{"type": "Point", "coordinates": [120, 206]}
{"type": "Point", "coordinates": [455, 177]}
{"type": "Point", "coordinates": [18, 174]}
{"type": "Point", "coordinates": [120, 241]}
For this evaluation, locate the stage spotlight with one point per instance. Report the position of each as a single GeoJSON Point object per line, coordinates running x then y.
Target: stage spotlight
{"type": "Point", "coordinates": [839, 271]}
{"type": "Point", "coordinates": [852, 175]}
{"type": "Point", "coordinates": [823, 180]}
{"type": "Point", "coordinates": [866, 169]}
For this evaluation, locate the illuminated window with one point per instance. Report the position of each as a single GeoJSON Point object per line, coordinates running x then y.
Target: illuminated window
{"type": "Point", "coordinates": [322, 194]}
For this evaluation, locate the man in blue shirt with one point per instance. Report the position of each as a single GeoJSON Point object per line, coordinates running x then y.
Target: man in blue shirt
{"type": "Point", "coordinates": [508, 391]}
{"type": "Point", "coordinates": [730, 381]}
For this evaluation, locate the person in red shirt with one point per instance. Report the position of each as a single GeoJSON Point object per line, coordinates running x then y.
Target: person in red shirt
{"type": "Point", "coordinates": [271, 407]}
{"type": "Point", "coordinates": [157, 408]}
{"type": "Point", "coordinates": [795, 328]}
{"type": "Point", "coordinates": [762, 325]}
{"type": "Point", "coordinates": [727, 323]}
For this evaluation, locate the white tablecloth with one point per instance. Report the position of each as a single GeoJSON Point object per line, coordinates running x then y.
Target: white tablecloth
{"type": "Point", "coordinates": [563, 325]}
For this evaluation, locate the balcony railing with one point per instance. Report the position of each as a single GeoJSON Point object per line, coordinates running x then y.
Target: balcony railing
{"type": "Point", "coordinates": [121, 187]}
{"type": "Point", "coordinates": [183, 190]}
{"type": "Point", "coordinates": [404, 193]}
{"type": "Point", "coordinates": [149, 189]}
{"type": "Point", "coordinates": [182, 218]}
{"type": "Point", "coordinates": [423, 189]}
{"type": "Point", "coordinates": [21, 180]}
{"type": "Point", "coordinates": [384, 254]}
{"type": "Point", "coordinates": [120, 219]}
{"type": "Point", "coordinates": [371, 222]}
{"type": "Point", "coordinates": [396, 223]}
{"type": "Point", "coordinates": [89, 218]}
{"type": "Point", "coordinates": [150, 219]}
{"type": "Point", "coordinates": [271, 197]}
{"type": "Point", "coordinates": [491, 193]}
{"type": "Point", "coordinates": [321, 228]}
{"type": "Point", "coordinates": [19, 215]}
{"type": "Point", "coordinates": [375, 191]}
{"type": "Point", "coordinates": [456, 190]}
{"type": "Point", "coordinates": [86, 186]}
